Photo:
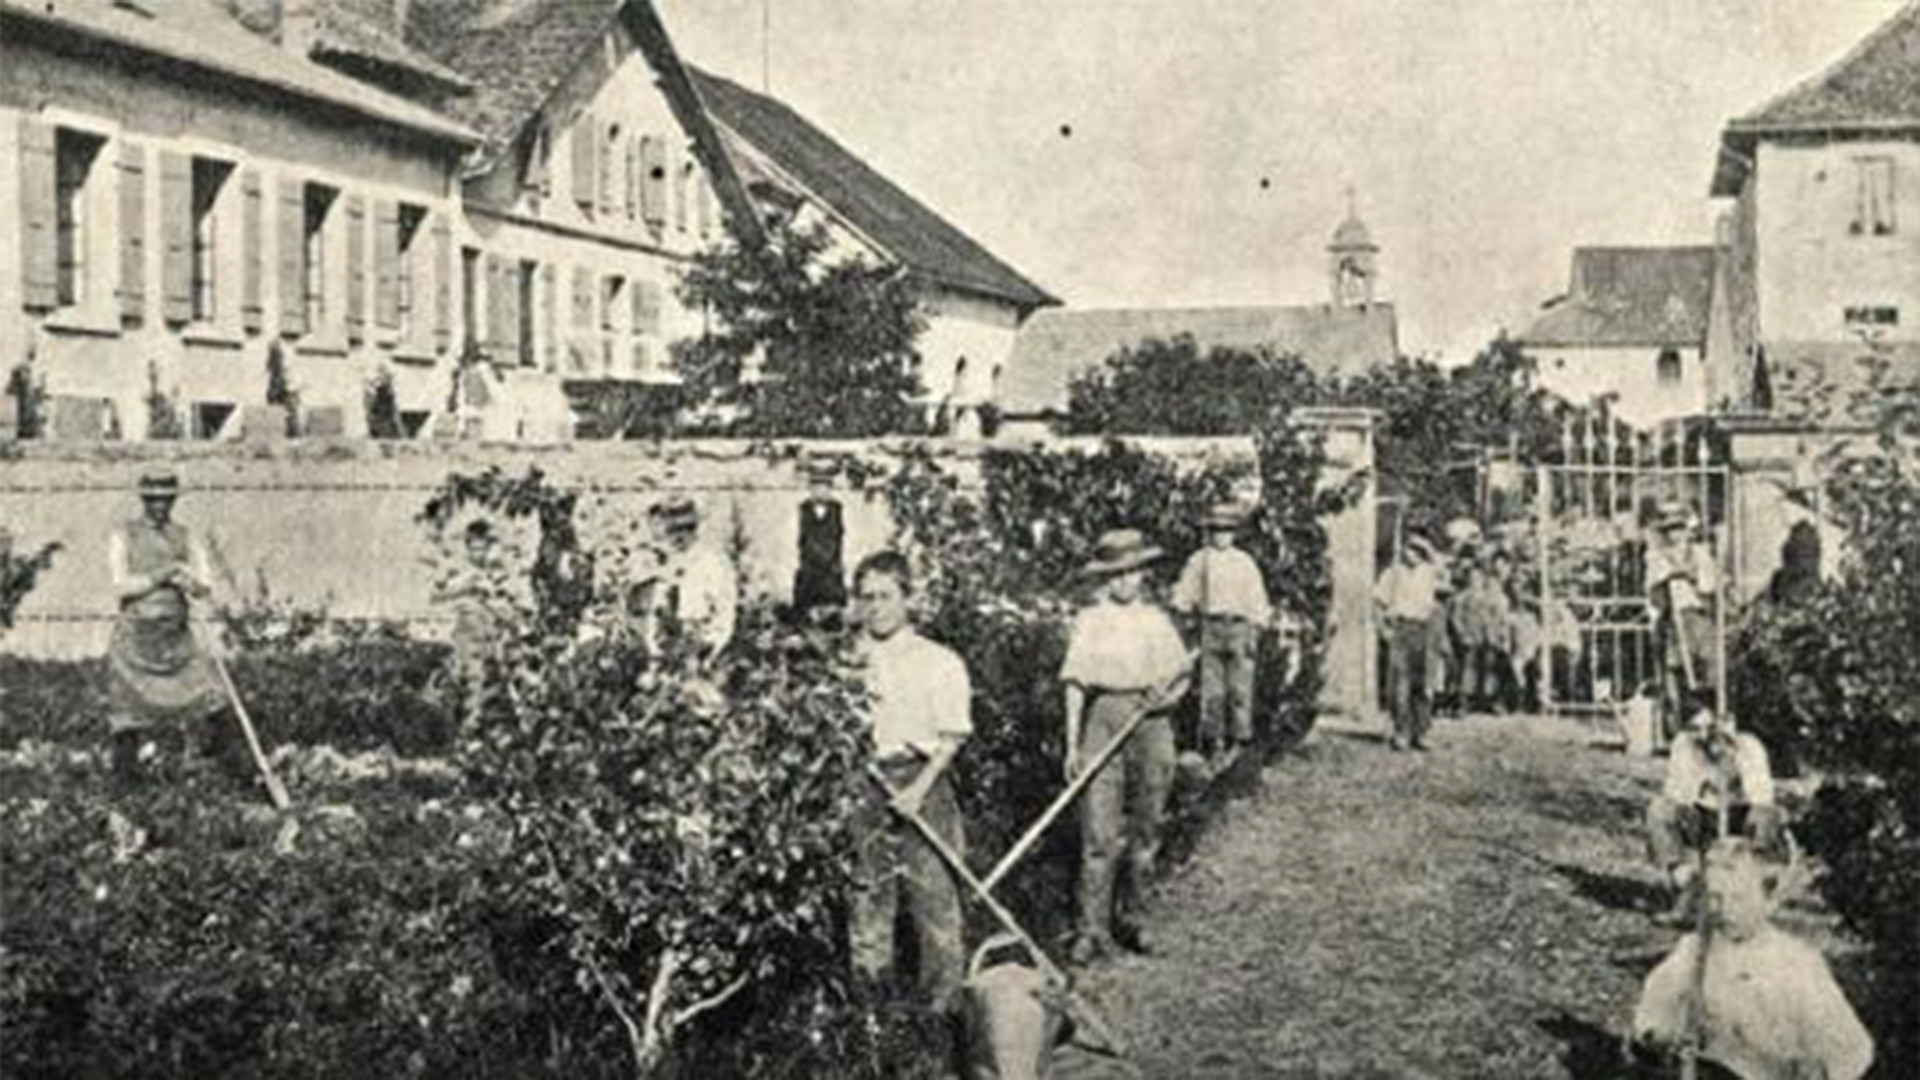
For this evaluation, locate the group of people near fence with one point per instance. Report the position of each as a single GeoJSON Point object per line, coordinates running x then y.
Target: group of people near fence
{"type": "Point", "coordinates": [1736, 989]}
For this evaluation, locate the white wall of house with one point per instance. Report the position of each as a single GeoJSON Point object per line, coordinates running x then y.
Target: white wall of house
{"type": "Point", "coordinates": [1645, 392]}
{"type": "Point", "coordinates": [188, 173]}
{"type": "Point", "coordinates": [1818, 260]}
{"type": "Point", "coordinates": [966, 345]}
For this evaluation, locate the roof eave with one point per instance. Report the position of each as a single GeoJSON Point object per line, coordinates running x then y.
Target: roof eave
{"type": "Point", "coordinates": [447, 131]}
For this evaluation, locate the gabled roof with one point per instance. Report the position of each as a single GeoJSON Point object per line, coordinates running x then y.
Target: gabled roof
{"type": "Point", "coordinates": [1874, 87]}
{"type": "Point", "coordinates": [1053, 347]}
{"type": "Point", "coordinates": [876, 208]}
{"type": "Point", "coordinates": [1630, 296]}
{"type": "Point", "coordinates": [203, 34]}
{"type": "Point", "coordinates": [354, 36]}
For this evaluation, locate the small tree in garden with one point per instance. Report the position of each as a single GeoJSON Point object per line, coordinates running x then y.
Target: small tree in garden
{"type": "Point", "coordinates": [383, 407]}
{"type": "Point", "coordinates": [834, 339]}
{"type": "Point", "coordinates": [18, 574]}
{"type": "Point", "coordinates": [679, 826]}
{"type": "Point", "coordinates": [163, 415]}
{"type": "Point", "coordinates": [29, 396]}
{"type": "Point", "coordinates": [279, 390]}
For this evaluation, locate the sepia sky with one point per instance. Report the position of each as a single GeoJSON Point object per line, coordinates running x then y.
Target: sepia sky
{"type": "Point", "coordinates": [1485, 138]}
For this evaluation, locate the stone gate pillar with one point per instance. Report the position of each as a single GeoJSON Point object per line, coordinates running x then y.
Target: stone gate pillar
{"type": "Point", "coordinates": [1352, 658]}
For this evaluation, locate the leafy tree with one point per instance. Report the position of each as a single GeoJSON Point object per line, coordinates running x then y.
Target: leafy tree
{"type": "Point", "coordinates": [834, 339]}
{"type": "Point", "coordinates": [18, 573]}
{"type": "Point", "coordinates": [163, 416]}
{"type": "Point", "coordinates": [279, 390]}
{"type": "Point", "coordinates": [30, 400]}
{"type": "Point", "coordinates": [383, 407]}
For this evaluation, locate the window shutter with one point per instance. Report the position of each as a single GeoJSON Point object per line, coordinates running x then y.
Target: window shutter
{"type": "Point", "coordinates": [680, 176]}
{"type": "Point", "coordinates": [631, 152]}
{"type": "Point", "coordinates": [582, 301]}
{"type": "Point", "coordinates": [653, 181]}
{"type": "Point", "coordinates": [497, 333]}
{"type": "Point", "coordinates": [292, 258]}
{"type": "Point", "coordinates": [642, 357]}
{"type": "Point", "coordinates": [510, 314]}
{"type": "Point", "coordinates": [537, 178]}
{"type": "Point", "coordinates": [386, 265]}
{"type": "Point", "coordinates": [606, 303]}
{"type": "Point", "coordinates": [176, 232]}
{"type": "Point", "coordinates": [607, 145]}
{"type": "Point", "coordinates": [703, 204]}
{"type": "Point", "coordinates": [550, 316]}
{"type": "Point", "coordinates": [647, 304]}
{"type": "Point", "coordinates": [40, 290]}
{"type": "Point", "coordinates": [586, 160]}
{"type": "Point", "coordinates": [443, 275]}
{"type": "Point", "coordinates": [133, 232]}
{"type": "Point", "coordinates": [251, 255]}
{"type": "Point", "coordinates": [356, 269]}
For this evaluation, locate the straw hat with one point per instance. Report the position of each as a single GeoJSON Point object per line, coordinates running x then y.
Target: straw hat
{"type": "Point", "coordinates": [1118, 551]}
{"type": "Point", "coordinates": [677, 510]}
{"type": "Point", "coordinates": [1419, 546]}
{"type": "Point", "coordinates": [160, 484]}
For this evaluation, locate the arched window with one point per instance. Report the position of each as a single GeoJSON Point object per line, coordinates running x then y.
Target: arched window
{"type": "Point", "coordinates": [1667, 368]}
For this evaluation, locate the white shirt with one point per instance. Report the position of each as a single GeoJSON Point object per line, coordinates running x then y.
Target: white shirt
{"type": "Point", "coordinates": [127, 583]}
{"type": "Point", "coordinates": [920, 693]}
{"type": "Point", "coordinates": [1123, 647]}
{"type": "Point", "coordinates": [1223, 581]}
{"type": "Point", "coordinates": [1694, 779]}
{"type": "Point", "coordinates": [1408, 592]}
{"type": "Point", "coordinates": [1687, 570]}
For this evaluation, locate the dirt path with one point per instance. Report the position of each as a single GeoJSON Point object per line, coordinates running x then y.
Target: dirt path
{"type": "Point", "coordinates": [1483, 910]}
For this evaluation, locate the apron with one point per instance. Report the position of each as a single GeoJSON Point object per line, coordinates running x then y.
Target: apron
{"type": "Point", "coordinates": [157, 670]}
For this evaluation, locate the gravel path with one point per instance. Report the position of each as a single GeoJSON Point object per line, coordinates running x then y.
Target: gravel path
{"type": "Point", "coordinates": [1483, 910]}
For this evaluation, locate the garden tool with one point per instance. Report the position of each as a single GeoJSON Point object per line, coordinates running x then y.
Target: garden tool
{"type": "Point", "coordinates": [1063, 801]}
{"type": "Point", "coordinates": [1083, 1012]}
{"type": "Point", "coordinates": [275, 789]}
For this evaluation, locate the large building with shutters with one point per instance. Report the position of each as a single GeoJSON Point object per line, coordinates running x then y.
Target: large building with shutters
{"type": "Point", "coordinates": [482, 204]}
{"type": "Point", "coordinates": [210, 188]}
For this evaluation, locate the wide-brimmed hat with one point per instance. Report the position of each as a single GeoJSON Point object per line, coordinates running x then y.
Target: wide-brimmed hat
{"type": "Point", "coordinates": [1225, 516]}
{"type": "Point", "coordinates": [1672, 516]}
{"type": "Point", "coordinates": [820, 469]}
{"type": "Point", "coordinates": [1421, 546]}
{"type": "Point", "coordinates": [1118, 551]}
{"type": "Point", "coordinates": [159, 484]}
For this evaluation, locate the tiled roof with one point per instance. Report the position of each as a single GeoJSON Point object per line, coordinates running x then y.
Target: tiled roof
{"type": "Point", "coordinates": [348, 33]}
{"type": "Point", "coordinates": [905, 228]}
{"type": "Point", "coordinates": [1627, 296]}
{"type": "Point", "coordinates": [203, 34]}
{"type": "Point", "coordinates": [1875, 86]}
{"type": "Point", "coordinates": [515, 52]}
{"type": "Point", "coordinates": [1053, 347]}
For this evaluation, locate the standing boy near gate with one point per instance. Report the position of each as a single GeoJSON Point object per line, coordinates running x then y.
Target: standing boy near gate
{"type": "Point", "coordinates": [1406, 597]}
{"type": "Point", "coordinates": [1222, 591]}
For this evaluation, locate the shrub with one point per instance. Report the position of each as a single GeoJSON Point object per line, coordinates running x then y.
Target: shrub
{"type": "Point", "coordinates": [363, 950]}
{"type": "Point", "coordinates": [18, 575]}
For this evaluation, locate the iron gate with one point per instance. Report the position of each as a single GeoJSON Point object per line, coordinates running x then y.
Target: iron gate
{"type": "Point", "coordinates": [1594, 509]}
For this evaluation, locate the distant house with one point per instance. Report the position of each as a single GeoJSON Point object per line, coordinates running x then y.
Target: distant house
{"type": "Point", "coordinates": [973, 302]}
{"type": "Point", "coordinates": [1632, 328]}
{"type": "Point", "coordinates": [1352, 333]}
{"type": "Point", "coordinates": [1824, 229]}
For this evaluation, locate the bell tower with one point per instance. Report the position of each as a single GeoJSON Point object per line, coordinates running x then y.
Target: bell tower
{"type": "Point", "coordinates": [1353, 259]}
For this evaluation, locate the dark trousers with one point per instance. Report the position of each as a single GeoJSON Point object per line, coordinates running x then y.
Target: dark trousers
{"type": "Point", "coordinates": [896, 868]}
{"type": "Point", "coordinates": [172, 745]}
{"type": "Point", "coordinates": [1227, 650]}
{"type": "Point", "coordinates": [1407, 678]}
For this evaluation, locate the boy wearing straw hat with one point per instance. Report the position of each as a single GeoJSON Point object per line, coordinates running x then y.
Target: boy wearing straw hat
{"type": "Point", "coordinates": [1681, 577]}
{"type": "Point", "coordinates": [1222, 590]}
{"type": "Point", "coordinates": [1124, 657]}
{"type": "Point", "coordinates": [159, 674]}
{"type": "Point", "coordinates": [702, 589]}
{"type": "Point", "coordinates": [1407, 596]}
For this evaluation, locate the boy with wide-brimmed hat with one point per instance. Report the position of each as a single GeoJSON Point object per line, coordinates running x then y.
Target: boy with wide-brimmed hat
{"type": "Point", "coordinates": [1222, 590]}
{"type": "Point", "coordinates": [1124, 658]}
{"type": "Point", "coordinates": [702, 589]}
{"type": "Point", "coordinates": [1681, 580]}
{"type": "Point", "coordinates": [162, 687]}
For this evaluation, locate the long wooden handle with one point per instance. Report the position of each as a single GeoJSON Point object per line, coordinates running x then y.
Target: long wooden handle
{"type": "Point", "coordinates": [1062, 801]}
{"type": "Point", "coordinates": [1080, 1008]}
{"type": "Point", "coordinates": [275, 789]}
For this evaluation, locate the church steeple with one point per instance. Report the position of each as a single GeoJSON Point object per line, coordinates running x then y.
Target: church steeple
{"type": "Point", "coordinates": [1353, 260]}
